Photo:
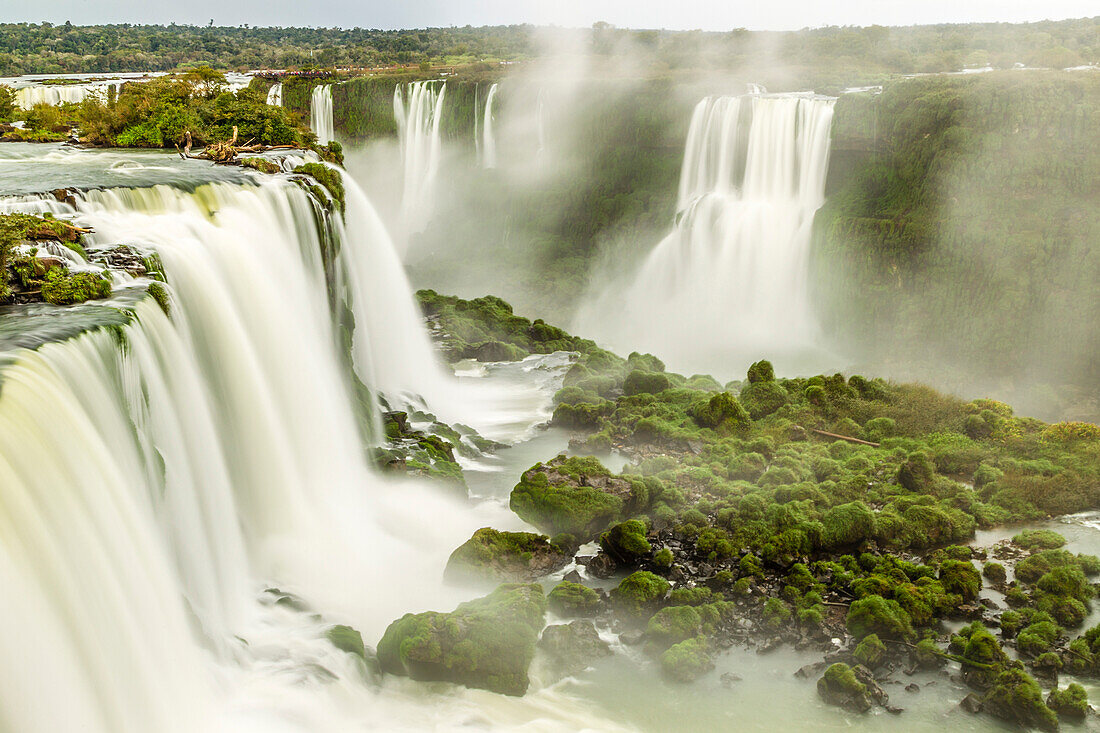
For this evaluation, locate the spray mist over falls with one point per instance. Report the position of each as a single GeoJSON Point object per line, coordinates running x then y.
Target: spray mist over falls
{"type": "Point", "coordinates": [484, 135]}
{"type": "Point", "coordinates": [418, 110]}
{"type": "Point", "coordinates": [729, 284]}
{"type": "Point", "coordinates": [320, 112]}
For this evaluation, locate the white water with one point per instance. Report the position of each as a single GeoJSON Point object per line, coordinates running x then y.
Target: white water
{"type": "Point", "coordinates": [320, 113]}
{"type": "Point", "coordinates": [488, 137]}
{"type": "Point", "coordinates": [729, 285]}
{"type": "Point", "coordinates": [418, 110]}
{"type": "Point", "coordinates": [55, 94]}
{"type": "Point", "coordinates": [275, 94]}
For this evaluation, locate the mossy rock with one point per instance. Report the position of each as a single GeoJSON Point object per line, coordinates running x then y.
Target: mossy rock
{"type": "Point", "coordinates": [687, 661]}
{"type": "Point", "coordinates": [1017, 698]}
{"type": "Point", "coordinates": [639, 382]}
{"type": "Point", "coordinates": [763, 398]}
{"type": "Point", "coordinates": [1072, 703]}
{"type": "Point", "coordinates": [492, 555]}
{"type": "Point", "coordinates": [487, 643]}
{"type": "Point", "coordinates": [870, 652]}
{"type": "Point", "coordinates": [1039, 539]}
{"type": "Point", "coordinates": [839, 686]}
{"type": "Point", "coordinates": [874, 614]}
{"type": "Point", "coordinates": [626, 542]}
{"type": "Point", "coordinates": [639, 594]}
{"type": "Point", "coordinates": [574, 495]}
{"type": "Point", "coordinates": [573, 599]}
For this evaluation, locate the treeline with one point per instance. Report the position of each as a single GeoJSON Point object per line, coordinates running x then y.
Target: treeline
{"type": "Point", "coordinates": [827, 55]}
{"type": "Point", "coordinates": [27, 48]}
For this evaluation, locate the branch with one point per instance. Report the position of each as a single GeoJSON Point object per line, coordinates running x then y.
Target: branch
{"type": "Point", "coordinates": [845, 437]}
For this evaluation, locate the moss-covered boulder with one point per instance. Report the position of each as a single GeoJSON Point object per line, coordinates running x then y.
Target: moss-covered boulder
{"type": "Point", "coordinates": [722, 413]}
{"type": "Point", "coordinates": [984, 659]}
{"type": "Point", "coordinates": [870, 652]}
{"type": "Point", "coordinates": [573, 599]}
{"type": "Point", "coordinates": [962, 578]}
{"type": "Point", "coordinates": [572, 647]}
{"type": "Point", "coordinates": [672, 625]}
{"type": "Point", "coordinates": [639, 382]}
{"type": "Point", "coordinates": [877, 615]}
{"type": "Point", "coordinates": [839, 686]}
{"type": "Point", "coordinates": [1017, 698]}
{"type": "Point", "coordinates": [574, 495]}
{"type": "Point", "coordinates": [1039, 539]}
{"type": "Point", "coordinates": [763, 398]}
{"type": "Point", "coordinates": [687, 661]}
{"type": "Point", "coordinates": [487, 643]}
{"type": "Point", "coordinates": [639, 594]}
{"type": "Point", "coordinates": [491, 555]}
{"type": "Point", "coordinates": [626, 542]}
{"type": "Point", "coordinates": [1072, 703]}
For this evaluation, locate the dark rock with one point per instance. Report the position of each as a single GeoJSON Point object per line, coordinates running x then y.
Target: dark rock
{"type": "Point", "coordinates": [875, 690]}
{"type": "Point", "coordinates": [572, 576]}
{"type": "Point", "coordinates": [602, 566]}
{"type": "Point", "coordinates": [971, 703]}
{"type": "Point", "coordinates": [631, 638]}
{"type": "Point", "coordinates": [574, 646]}
{"type": "Point", "coordinates": [912, 687]}
{"type": "Point", "coordinates": [839, 686]}
{"type": "Point", "coordinates": [729, 679]}
{"type": "Point", "coordinates": [810, 671]}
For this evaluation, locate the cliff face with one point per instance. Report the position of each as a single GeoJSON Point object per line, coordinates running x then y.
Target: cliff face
{"type": "Point", "coordinates": [960, 233]}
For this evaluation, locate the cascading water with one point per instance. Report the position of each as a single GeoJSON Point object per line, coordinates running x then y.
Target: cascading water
{"type": "Point", "coordinates": [320, 113]}
{"type": "Point", "coordinates": [418, 110]}
{"type": "Point", "coordinates": [275, 95]}
{"type": "Point", "coordinates": [55, 94]}
{"type": "Point", "coordinates": [729, 284]}
{"type": "Point", "coordinates": [488, 138]}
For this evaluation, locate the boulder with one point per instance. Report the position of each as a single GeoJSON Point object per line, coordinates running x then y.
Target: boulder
{"type": "Point", "coordinates": [1017, 698]}
{"type": "Point", "coordinates": [487, 643]}
{"type": "Point", "coordinates": [839, 686]}
{"type": "Point", "coordinates": [573, 599]}
{"type": "Point", "coordinates": [490, 555]}
{"type": "Point", "coordinates": [626, 543]}
{"type": "Point", "coordinates": [687, 661]}
{"type": "Point", "coordinates": [574, 646]}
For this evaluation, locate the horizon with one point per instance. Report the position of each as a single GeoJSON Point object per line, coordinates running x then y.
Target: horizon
{"type": "Point", "coordinates": [784, 16]}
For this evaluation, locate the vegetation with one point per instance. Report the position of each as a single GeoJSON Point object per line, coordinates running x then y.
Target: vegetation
{"type": "Point", "coordinates": [486, 643]}
{"type": "Point", "coordinates": [48, 278]}
{"type": "Point", "coordinates": [505, 556]}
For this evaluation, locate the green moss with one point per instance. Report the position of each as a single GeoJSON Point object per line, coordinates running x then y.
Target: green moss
{"type": "Point", "coordinates": [663, 558]}
{"type": "Point", "coordinates": [687, 661]}
{"type": "Point", "coordinates": [328, 177]}
{"type": "Point", "coordinates": [1017, 698]}
{"type": "Point", "coordinates": [877, 615]}
{"type": "Point", "coordinates": [262, 165]}
{"type": "Point", "coordinates": [67, 288]}
{"type": "Point", "coordinates": [962, 578]}
{"type": "Point", "coordinates": [505, 556]}
{"type": "Point", "coordinates": [626, 542]}
{"type": "Point", "coordinates": [573, 599]}
{"type": "Point", "coordinates": [347, 639]}
{"type": "Point", "coordinates": [672, 625]}
{"type": "Point", "coordinates": [763, 398]}
{"type": "Point", "coordinates": [722, 413]}
{"type": "Point", "coordinates": [644, 382]}
{"type": "Point", "coordinates": [1039, 539]}
{"type": "Point", "coordinates": [486, 643]}
{"type": "Point", "coordinates": [870, 651]}
{"type": "Point", "coordinates": [1072, 703]}
{"type": "Point", "coordinates": [574, 495]}
{"type": "Point", "coordinates": [994, 572]}
{"type": "Point", "coordinates": [639, 593]}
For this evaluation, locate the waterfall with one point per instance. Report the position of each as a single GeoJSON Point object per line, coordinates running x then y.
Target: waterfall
{"type": "Point", "coordinates": [418, 109]}
{"type": "Point", "coordinates": [729, 284]}
{"type": "Point", "coordinates": [55, 94]}
{"type": "Point", "coordinates": [155, 478]}
{"type": "Point", "coordinates": [275, 95]}
{"type": "Point", "coordinates": [320, 113]}
{"type": "Point", "coordinates": [488, 139]}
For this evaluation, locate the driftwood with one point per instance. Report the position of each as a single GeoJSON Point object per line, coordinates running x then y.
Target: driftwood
{"type": "Point", "coordinates": [226, 152]}
{"type": "Point", "coordinates": [848, 438]}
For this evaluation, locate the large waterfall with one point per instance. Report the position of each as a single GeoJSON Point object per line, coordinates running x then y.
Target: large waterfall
{"type": "Point", "coordinates": [320, 113]}
{"type": "Point", "coordinates": [157, 478]}
{"type": "Point", "coordinates": [418, 110]}
{"type": "Point", "coordinates": [55, 94]}
{"type": "Point", "coordinates": [729, 284]}
{"type": "Point", "coordinates": [275, 94]}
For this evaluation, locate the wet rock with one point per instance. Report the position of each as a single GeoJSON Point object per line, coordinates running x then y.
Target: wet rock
{"type": "Point", "coordinates": [809, 671]}
{"type": "Point", "coordinates": [486, 643]}
{"type": "Point", "coordinates": [971, 703]}
{"type": "Point", "coordinates": [572, 576]}
{"type": "Point", "coordinates": [867, 678]}
{"type": "Point", "coordinates": [729, 679]}
{"type": "Point", "coordinates": [893, 710]}
{"type": "Point", "coordinates": [912, 687]}
{"type": "Point", "coordinates": [494, 556]}
{"type": "Point", "coordinates": [574, 646]}
{"type": "Point", "coordinates": [839, 686]}
{"type": "Point", "coordinates": [631, 638]}
{"type": "Point", "coordinates": [602, 566]}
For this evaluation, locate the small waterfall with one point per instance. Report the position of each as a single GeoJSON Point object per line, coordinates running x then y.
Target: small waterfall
{"type": "Point", "coordinates": [488, 139]}
{"type": "Point", "coordinates": [418, 110]}
{"type": "Point", "coordinates": [275, 95]}
{"type": "Point", "coordinates": [55, 94]}
{"type": "Point", "coordinates": [320, 113]}
{"type": "Point", "coordinates": [729, 284]}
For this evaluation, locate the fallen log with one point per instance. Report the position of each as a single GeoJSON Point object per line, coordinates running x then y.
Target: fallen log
{"type": "Point", "coordinates": [847, 438]}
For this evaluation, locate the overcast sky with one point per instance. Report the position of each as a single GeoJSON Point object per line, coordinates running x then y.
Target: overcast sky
{"type": "Point", "coordinates": [672, 14]}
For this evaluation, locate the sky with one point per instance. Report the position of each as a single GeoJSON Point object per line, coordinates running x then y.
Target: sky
{"type": "Point", "coordinates": [671, 14]}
